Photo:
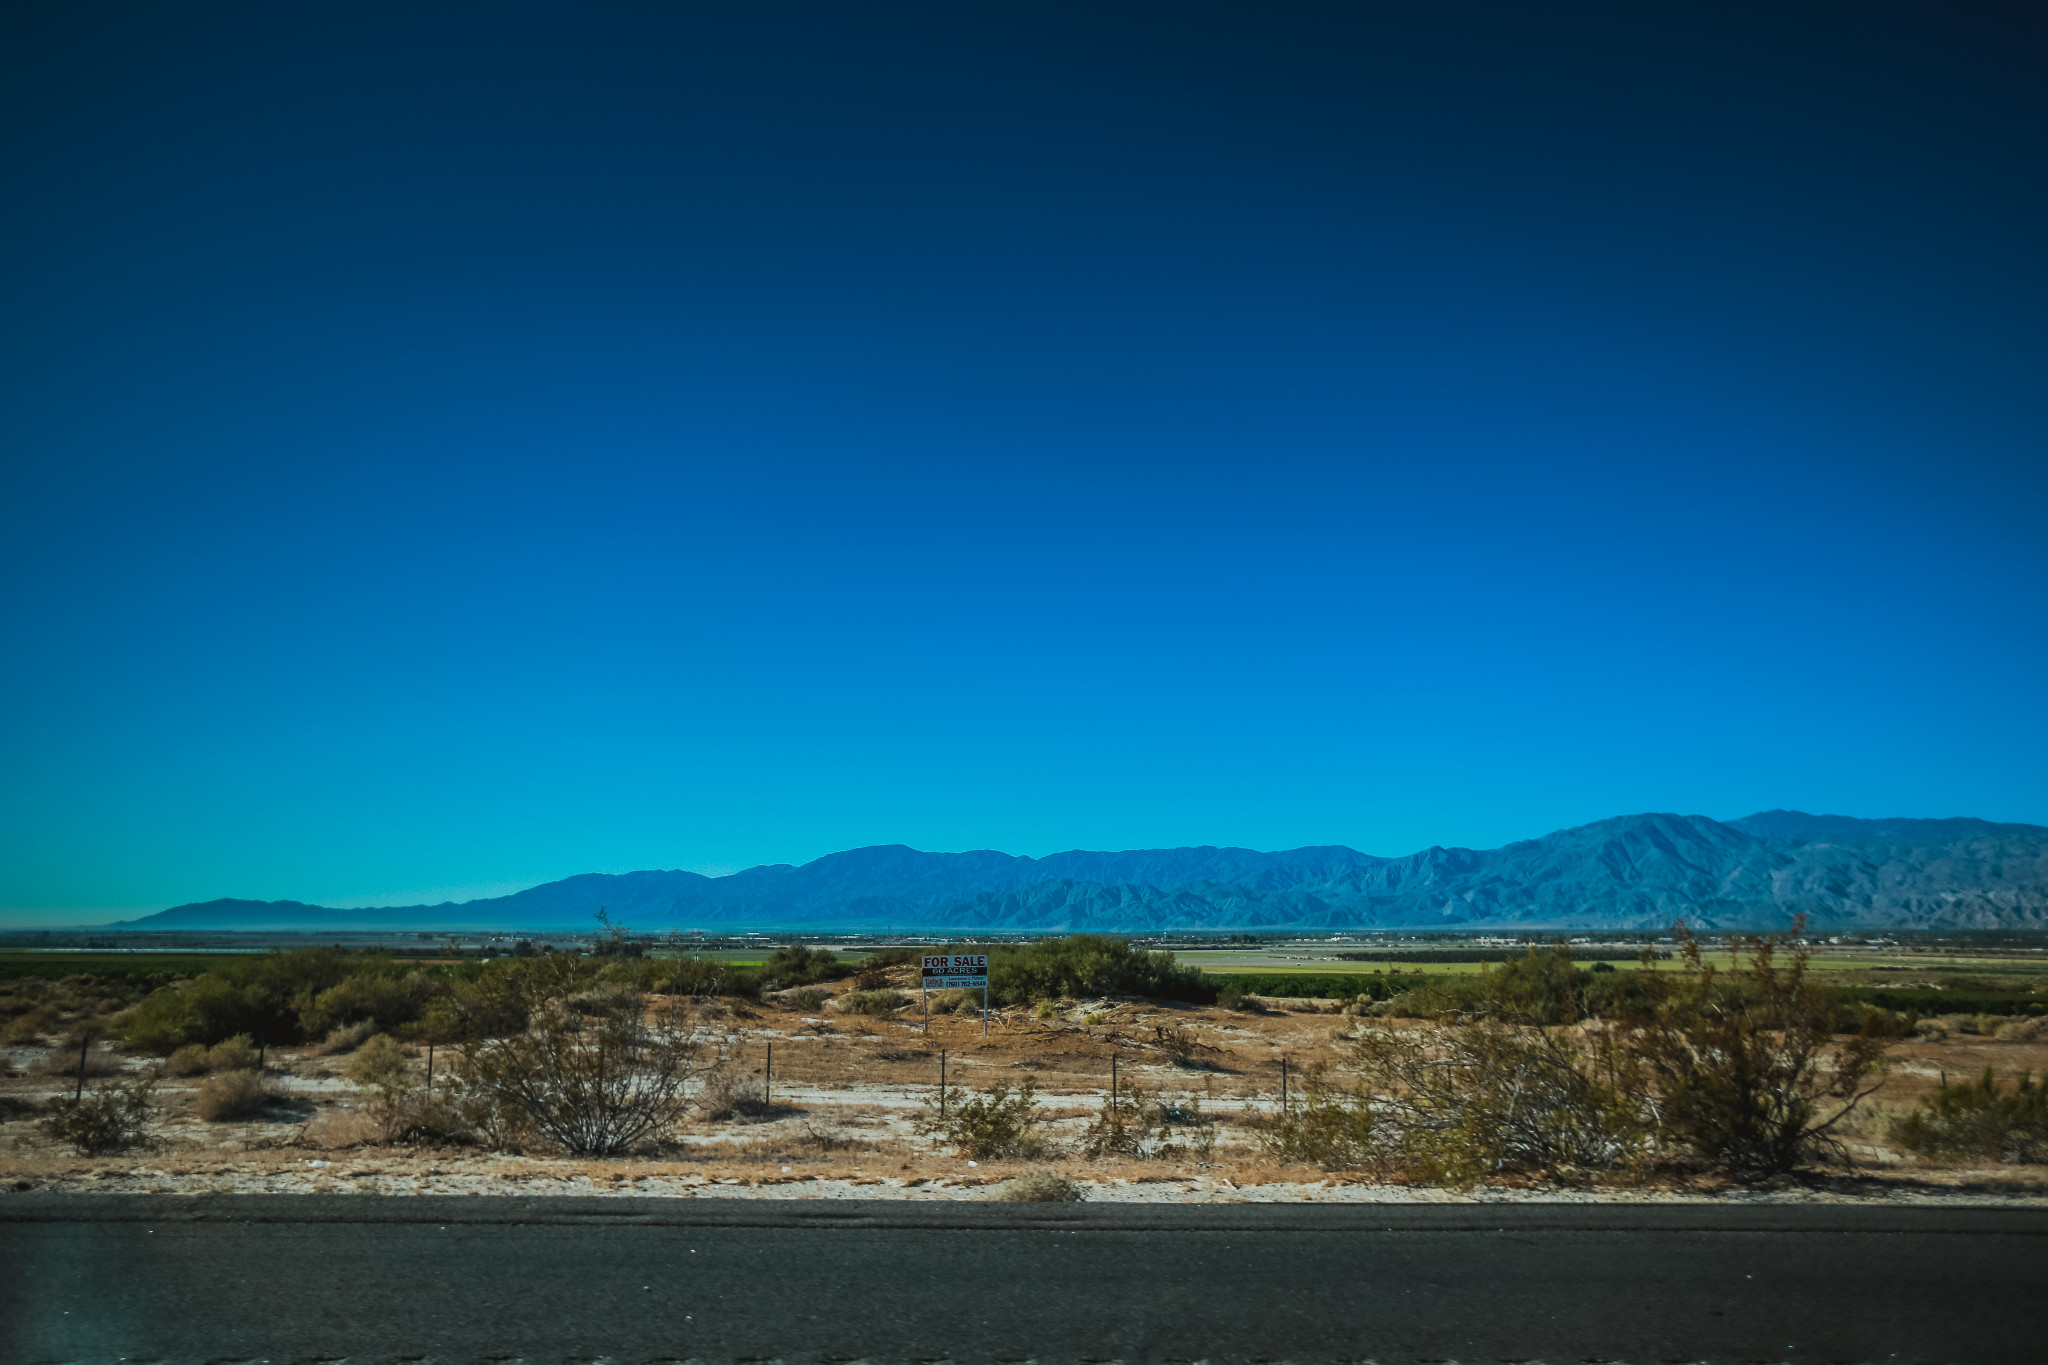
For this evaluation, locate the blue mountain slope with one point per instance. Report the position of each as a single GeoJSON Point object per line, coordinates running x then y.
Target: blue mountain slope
{"type": "Point", "coordinates": [1635, 871]}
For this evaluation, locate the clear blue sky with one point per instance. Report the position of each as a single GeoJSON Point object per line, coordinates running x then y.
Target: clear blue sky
{"type": "Point", "coordinates": [448, 448]}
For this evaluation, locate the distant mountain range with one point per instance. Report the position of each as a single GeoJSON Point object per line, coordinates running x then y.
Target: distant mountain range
{"type": "Point", "coordinates": [1632, 872]}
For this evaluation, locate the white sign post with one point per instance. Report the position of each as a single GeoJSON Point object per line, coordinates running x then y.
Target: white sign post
{"type": "Point", "coordinates": [954, 972]}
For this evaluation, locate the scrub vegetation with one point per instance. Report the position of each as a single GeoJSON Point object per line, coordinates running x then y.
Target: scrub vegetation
{"type": "Point", "coordinates": [1735, 1065]}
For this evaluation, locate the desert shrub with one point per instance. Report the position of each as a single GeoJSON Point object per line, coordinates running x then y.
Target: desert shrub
{"type": "Point", "coordinates": [348, 1037]}
{"type": "Point", "coordinates": [67, 1059]}
{"type": "Point", "coordinates": [1230, 996]}
{"type": "Point", "coordinates": [1089, 965]}
{"type": "Point", "coordinates": [594, 1071]}
{"type": "Point", "coordinates": [1000, 1123]}
{"type": "Point", "coordinates": [267, 996]}
{"type": "Point", "coordinates": [1144, 1127]}
{"type": "Point", "coordinates": [1461, 1102]}
{"type": "Point", "coordinates": [105, 1120]}
{"type": "Point", "coordinates": [368, 996]}
{"type": "Point", "coordinates": [806, 1000]}
{"type": "Point", "coordinates": [953, 1002]}
{"type": "Point", "coordinates": [1342, 986]}
{"type": "Point", "coordinates": [189, 1060]}
{"type": "Point", "coordinates": [1039, 1187]}
{"type": "Point", "coordinates": [870, 979]}
{"type": "Point", "coordinates": [230, 1095]}
{"type": "Point", "coordinates": [891, 957]}
{"type": "Point", "coordinates": [1749, 1078]}
{"type": "Point", "coordinates": [32, 1026]}
{"type": "Point", "coordinates": [1176, 1042]}
{"type": "Point", "coordinates": [802, 965]}
{"type": "Point", "coordinates": [1537, 987]}
{"type": "Point", "coordinates": [380, 1064]}
{"type": "Point", "coordinates": [728, 1093]}
{"type": "Point", "coordinates": [195, 1059]}
{"type": "Point", "coordinates": [1980, 1120]}
{"type": "Point", "coordinates": [1330, 1126]}
{"type": "Point", "coordinates": [2022, 1031]}
{"type": "Point", "coordinates": [703, 976]}
{"type": "Point", "coordinates": [873, 1002]}
{"type": "Point", "coordinates": [234, 1054]}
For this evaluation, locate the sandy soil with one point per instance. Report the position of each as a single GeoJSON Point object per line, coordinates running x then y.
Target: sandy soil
{"type": "Point", "coordinates": [845, 1092]}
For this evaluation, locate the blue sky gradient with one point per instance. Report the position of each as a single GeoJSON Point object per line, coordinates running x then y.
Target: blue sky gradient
{"type": "Point", "coordinates": [444, 448]}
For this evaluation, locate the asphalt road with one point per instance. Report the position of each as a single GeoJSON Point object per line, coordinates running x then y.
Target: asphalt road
{"type": "Point", "coordinates": [366, 1279]}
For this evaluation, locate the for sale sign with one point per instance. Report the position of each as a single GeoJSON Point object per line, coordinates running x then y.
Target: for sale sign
{"type": "Point", "coordinates": [955, 971]}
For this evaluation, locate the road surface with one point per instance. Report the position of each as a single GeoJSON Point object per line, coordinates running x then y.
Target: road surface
{"type": "Point", "coordinates": [362, 1279]}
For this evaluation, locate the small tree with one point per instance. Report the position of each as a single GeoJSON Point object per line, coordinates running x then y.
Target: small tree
{"type": "Point", "coordinates": [584, 1064]}
{"type": "Point", "coordinates": [1749, 1073]}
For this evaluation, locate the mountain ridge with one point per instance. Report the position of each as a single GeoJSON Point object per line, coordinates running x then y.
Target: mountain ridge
{"type": "Point", "coordinates": [1627, 872]}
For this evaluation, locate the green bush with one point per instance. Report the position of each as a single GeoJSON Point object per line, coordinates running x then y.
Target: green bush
{"type": "Point", "coordinates": [1000, 1123]}
{"type": "Point", "coordinates": [383, 1001]}
{"type": "Point", "coordinates": [703, 976]}
{"type": "Point", "coordinates": [1750, 1078]}
{"type": "Point", "coordinates": [806, 999]}
{"type": "Point", "coordinates": [381, 1064]}
{"type": "Point", "coordinates": [1089, 965]}
{"type": "Point", "coordinates": [1144, 1127]}
{"type": "Point", "coordinates": [232, 1054]}
{"type": "Point", "coordinates": [1980, 1120]}
{"type": "Point", "coordinates": [1346, 986]}
{"type": "Point", "coordinates": [104, 1121]}
{"type": "Point", "coordinates": [801, 965]}
{"type": "Point", "coordinates": [1330, 1126]}
{"type": "Point", "coordinates": [282, 997]}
